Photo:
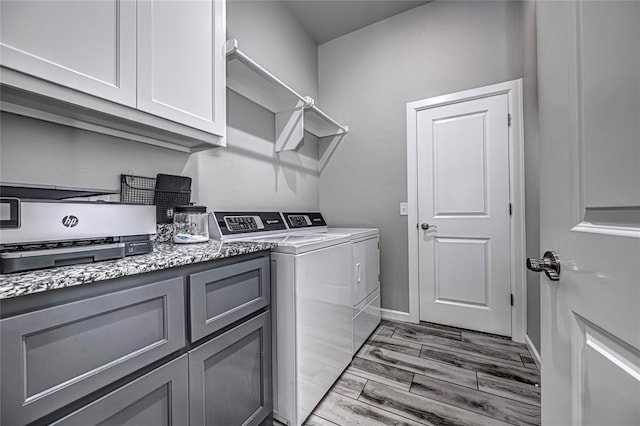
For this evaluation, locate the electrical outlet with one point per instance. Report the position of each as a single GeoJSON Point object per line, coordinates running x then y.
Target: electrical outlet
{"type": "Point", "coordinates": [404, 209]}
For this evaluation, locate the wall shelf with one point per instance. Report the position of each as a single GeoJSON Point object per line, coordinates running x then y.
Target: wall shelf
{"type": "Point", "coordinates": [294, 113]}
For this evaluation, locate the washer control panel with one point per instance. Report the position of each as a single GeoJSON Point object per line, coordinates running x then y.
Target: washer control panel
{"type": "Point", "coordinates": [243, 223]}
{"type": "Point", "coordinates": [229, 224]}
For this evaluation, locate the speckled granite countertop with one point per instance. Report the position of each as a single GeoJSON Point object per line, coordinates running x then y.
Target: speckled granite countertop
{"type": "Point", "coordinates": [165, 255]}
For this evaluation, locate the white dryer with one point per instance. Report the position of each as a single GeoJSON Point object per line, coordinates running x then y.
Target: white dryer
{"type": "Point", "coordinates": [365, 266]}
{"type": "Point", "coordinates": [311, 299]}
{"type": "Point", "coordinates": [365, 244]}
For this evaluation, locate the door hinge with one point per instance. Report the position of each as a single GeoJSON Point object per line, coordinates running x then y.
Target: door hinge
{"type": "Point", "coordinates": [511, 299]}
{"type": "Point", "coordinates": [510, 209]}
{"type": "Point", "coordinates": [509, 120]}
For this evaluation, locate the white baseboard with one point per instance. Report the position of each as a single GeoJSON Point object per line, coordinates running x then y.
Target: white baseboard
{"type": "Point", "coordinates": [392, 315]}
{"type": "Point", "coordinates": [534, 352]}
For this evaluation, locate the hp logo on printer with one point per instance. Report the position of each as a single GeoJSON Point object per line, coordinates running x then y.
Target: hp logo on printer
{"type": "Point", "coordinates": [70, 221]}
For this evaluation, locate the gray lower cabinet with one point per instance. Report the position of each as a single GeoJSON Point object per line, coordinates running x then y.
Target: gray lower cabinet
{"type": "Point", "coordinates": [52, 357]}
{"type": "Point", "coordinates": [221, 296]}
{"type": "Point", "coordinates": [159, 398]}
{"type": "Point", "coordinates": [230, 376]}
{"type": "Point", "coordinates": [118, 353]}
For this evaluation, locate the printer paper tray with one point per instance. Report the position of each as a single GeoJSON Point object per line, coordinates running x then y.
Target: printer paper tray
{"type": "Point", "coordinates": [20, 261]}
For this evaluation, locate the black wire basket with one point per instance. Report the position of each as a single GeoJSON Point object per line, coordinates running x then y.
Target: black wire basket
{"type": "Point", "coordinates": [142, 190]}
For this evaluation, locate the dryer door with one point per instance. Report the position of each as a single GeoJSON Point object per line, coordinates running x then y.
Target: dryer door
{"type": "Point", "coordinates": [366, 261]}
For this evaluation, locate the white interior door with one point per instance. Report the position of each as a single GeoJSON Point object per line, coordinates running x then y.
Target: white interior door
{"type": "Point", "coordinates": [589, 101]}
{"type": "Point", "coordinates": [463, 199]}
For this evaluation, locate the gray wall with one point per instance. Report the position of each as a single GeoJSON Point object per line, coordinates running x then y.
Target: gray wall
{"type": "Point", "coordinates": [34, 151]}
{"type": "Point", "coordinates": [365, 80]}
{"type": "Point", "coordinates": [246, 174]}
{"type": "Point", "coordinates": [532, 170]}
{"type": "Point", "coordinates": [270, 34]}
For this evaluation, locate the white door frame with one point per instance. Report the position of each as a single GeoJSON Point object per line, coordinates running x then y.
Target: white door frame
{"type": "Point", "coordinates": [513, 90]}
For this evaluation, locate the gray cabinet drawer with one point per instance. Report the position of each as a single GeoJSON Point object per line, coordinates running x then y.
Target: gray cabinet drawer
{"type": "Point", "coordinates": [230, 376]}
{"type": "Point", "coordinates": [54, 356]}
{"type": "Point", "coordinates": [157, 398]}
{"type": "Point", "coordinates": [221, 296]}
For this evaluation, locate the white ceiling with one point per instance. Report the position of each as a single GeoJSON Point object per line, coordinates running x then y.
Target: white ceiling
{"type": "Point", "coordinates": [325, 20]}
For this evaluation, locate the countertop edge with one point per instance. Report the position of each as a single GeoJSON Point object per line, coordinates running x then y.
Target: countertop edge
{"type": "Point", "coordinates": [165, 256]}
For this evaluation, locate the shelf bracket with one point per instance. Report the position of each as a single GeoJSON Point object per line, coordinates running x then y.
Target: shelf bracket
{"type": "Point", "coordinates": [230, 47]}
{"type": "Point", "coordinates": [309, 102]}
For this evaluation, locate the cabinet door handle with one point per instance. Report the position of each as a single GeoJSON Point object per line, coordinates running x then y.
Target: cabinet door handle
{"type": "Point", "coordinates": [358, 274]}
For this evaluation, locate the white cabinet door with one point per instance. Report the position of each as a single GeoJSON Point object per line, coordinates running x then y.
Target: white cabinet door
{"type": "Point", "coordinates": [88, 46]}
{"type": "Point", "coordinates": [366, 268]}
{"type": "Point", "coordinates": [181, 63]}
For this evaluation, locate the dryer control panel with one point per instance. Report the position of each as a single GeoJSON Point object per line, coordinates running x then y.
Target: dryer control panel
{"type": "Point", "coordinates": [304, 220]}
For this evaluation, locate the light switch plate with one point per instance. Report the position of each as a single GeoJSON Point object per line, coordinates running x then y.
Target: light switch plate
{"type": "Point", "coordinates": [404, 209]}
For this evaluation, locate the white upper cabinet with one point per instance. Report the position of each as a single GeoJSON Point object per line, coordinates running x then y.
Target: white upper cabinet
{"type": "Point", "coordinates": [148, 70]}
{"type": "Point", "coordinates": [88, 46]}
{"type": "Point", "coordinates": [181, 74]}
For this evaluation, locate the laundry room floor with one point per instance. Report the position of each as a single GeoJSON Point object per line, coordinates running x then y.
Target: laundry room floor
{"type": "Point", "coordinates": [410, 374]}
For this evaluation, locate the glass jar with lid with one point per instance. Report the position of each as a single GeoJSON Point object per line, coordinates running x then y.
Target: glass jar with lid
{"type": "Point", "coordinates": [190, 224]}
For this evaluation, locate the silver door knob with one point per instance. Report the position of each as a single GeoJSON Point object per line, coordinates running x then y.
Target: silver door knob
{"type": "Point", "coordinates": [425, 226]}
{"type": "Point", "coordinates": [550, 264]}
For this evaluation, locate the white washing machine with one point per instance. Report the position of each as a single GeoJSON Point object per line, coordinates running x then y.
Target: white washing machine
{"type": "Point", "coordinates": [365, 254]}
{"type": "Point", "coordinates": [312, 329]}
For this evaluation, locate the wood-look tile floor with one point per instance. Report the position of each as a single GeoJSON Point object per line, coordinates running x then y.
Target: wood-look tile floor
{"type": "Point", "coordinates": [429, 374]}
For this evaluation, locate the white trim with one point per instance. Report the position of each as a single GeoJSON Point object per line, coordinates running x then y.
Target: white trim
{"type": "Point", "coordinates": [534, 351]}
{"type": "Point", "coordinates": [513, 90]}
{"type": "Point", "coordinates": [621, 231]}
{"type": "Point", "coordinates": [389, 314]}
